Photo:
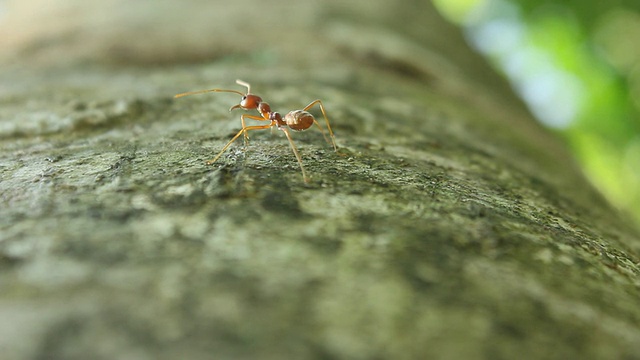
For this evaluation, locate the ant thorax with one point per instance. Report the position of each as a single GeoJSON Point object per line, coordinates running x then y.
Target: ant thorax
{"type": "Point", "coordinates": [265, 110]}
{"type": "Point", "coordinates": [277, 119]}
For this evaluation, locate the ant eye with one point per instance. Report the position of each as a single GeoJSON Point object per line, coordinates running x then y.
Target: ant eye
{"type": "Point", "coordinates": [244, 97]}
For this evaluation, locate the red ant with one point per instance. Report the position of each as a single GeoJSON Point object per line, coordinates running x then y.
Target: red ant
{"type": "Point", "coordinates": [298, 120]}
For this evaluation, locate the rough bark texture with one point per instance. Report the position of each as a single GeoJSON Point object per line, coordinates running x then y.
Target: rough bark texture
{"type": "Point", "coordinates": [448, 225]}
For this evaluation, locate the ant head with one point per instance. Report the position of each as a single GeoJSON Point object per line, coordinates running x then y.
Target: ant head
{"type": "Point", "coordinates": [248, 102]}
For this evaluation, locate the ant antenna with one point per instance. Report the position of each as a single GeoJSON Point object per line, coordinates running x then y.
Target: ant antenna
{"type": "Point", "coordinates": [206, 91]}
{"type": "Point", "coordinates": [239, 82]}
{"type": "Point", "coordinates": [245, 84]}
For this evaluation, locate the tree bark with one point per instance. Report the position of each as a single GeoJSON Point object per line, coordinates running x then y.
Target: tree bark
{"type": "Point", "coordinates": [448, 224]}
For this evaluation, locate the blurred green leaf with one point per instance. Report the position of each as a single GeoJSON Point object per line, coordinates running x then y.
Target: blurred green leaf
{"type": "Point", "coordinates": [577, 65]}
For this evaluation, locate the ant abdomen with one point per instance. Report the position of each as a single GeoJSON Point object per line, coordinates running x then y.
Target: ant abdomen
{"type": "Point", "coordinates": [299, 120]}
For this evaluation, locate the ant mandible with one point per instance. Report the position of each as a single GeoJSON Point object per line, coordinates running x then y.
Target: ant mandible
{"type": "Point", "coordinates": [298, 120]}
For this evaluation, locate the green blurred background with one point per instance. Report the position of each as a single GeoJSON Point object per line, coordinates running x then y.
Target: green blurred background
{"type": "Point", "coordinates": [576, 63]}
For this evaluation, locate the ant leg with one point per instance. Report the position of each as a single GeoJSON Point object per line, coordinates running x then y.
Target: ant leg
{"type": "Point", "coordinates": [242, 131]}
{"type": "Point", "coordinates": [295, 152]}
{"type": "Point", "coordinates": [260, 118]}
{"type": "Point", "coordinates": [322, 131]}
{"type": "Point", "coordinates": [324, 113]}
